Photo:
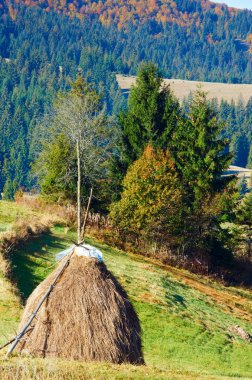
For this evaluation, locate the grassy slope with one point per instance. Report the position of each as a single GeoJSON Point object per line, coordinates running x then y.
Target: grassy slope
{"type": "Point", "coordinates": [183, 88]}
{"type": "Point", "coordinates": [10, 212]}
{"type": "Point", "coordinates": [9, 310]}
{"type": "Point", "coordinates": [9, 302]}
{"type": "Point", "coordinates": [185, 319]}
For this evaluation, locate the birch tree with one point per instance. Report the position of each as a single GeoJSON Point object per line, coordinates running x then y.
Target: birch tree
{"type": "Point", "coordinates": [79, 116]}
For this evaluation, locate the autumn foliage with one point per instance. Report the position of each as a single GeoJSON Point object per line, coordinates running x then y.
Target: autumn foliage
{"type": "Point", "coordinates": [121, 12]}
{"type": "Point", "coordinates": [150, 191]}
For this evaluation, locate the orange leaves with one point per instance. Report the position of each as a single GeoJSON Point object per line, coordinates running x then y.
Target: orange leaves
{"type": "Point", "coordinates": [219, 10]}
{"type": "Point", "coordinates": [121, 11]}
{"type": "Point", "coordinates": [12, 12]}
{"type": "Point", "coordinates": [150, 187]}
{"type": "Point", "coordinates": [249, 40]}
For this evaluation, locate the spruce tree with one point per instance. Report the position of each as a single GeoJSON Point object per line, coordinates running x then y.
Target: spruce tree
{"type": "Point", "coordinates": [250, 158]}
{"type": "Point", "coordinates": [8, 191]}
{"type": "Point", "coordinates": [201, 155]}
{"type": "Point", "coordinates": [151, 116]}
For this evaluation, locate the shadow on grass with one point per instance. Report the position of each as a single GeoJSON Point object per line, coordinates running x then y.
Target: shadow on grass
{"type": "Point", "coordinates": [32, 262]}
{"type": "Point", "coordinates": [171, 294]}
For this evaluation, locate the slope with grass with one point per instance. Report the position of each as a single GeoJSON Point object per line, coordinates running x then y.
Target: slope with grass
{"type": "Point", "coordinates": [183, 88]}
{"type": "Point", "coordinates": [185, 319]}
{"type": "Point", "coordinates": [11, 212]}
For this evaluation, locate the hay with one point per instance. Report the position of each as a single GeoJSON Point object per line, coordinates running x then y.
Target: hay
{"type": "Point", "coordinates": [86, 317]}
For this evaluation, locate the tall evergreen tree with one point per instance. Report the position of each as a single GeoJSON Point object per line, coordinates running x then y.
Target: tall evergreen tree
{"type": "Point", "coordinates": [201, 155]}
{"type": "Point", "coordinates": [151, 116]}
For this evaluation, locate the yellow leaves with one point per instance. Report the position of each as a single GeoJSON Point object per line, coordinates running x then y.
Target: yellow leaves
{"type": "Point", "coordinates": [12, 12]}
{"type": "Point", "coordinates": [151, 185]}
{"type": "Point", "coordinates": [120, 12]}
{"type": "Point", "coordinates": [249, 40]}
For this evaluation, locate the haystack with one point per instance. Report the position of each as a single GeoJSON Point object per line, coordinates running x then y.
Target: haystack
{"type": "Point", "coordinates": [86, 317]}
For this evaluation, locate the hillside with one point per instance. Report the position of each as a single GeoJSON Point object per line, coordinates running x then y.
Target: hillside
{"type": "Point", "coordinates": [186, 319]}
{"type": "Point", "coordinates": [196, 39]}
{"type": "Point", "coordinates": [121, 12]}
{"type": "Point", "coordinates": [189, 40]}
{"type": "Point", "coordinates": [183, 88]}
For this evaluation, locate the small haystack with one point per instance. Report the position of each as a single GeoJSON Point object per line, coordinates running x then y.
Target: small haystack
{"type": "Point", "coordinates": [87, 316]}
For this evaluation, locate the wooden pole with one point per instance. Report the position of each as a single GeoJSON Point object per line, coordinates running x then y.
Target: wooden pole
{"type": "Point", "coordinates": [12, 340]}
{"type": "Point", "coordinates": [34, 314]}
{"type": "Point", "coordinates": [86, 216]}
{"type": "Point", "coordinates": [78, 193]}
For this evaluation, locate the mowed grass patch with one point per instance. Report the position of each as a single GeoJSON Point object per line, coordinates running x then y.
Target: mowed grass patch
{"type": "Point", "coordinates": [25, 258]}
{"type": "Point", "coordinates": [185, 327]}
{"type": "Point", "coordinates": [34, 261]}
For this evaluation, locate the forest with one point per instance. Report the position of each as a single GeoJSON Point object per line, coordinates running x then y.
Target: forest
{"type": "Point", "coordinates": [155, 176]}
{"type": "Point", "coordinates": [42, 51]}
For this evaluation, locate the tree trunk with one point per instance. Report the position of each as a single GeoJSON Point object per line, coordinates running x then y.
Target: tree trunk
{"type": "Point", "coordinates": [78, 193]}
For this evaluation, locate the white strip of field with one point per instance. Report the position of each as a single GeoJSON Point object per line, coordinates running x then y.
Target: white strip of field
{"type": "Point", "coordinates": [183, 88]}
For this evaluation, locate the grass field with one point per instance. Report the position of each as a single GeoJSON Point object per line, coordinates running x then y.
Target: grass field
{"type": "Point", "coordinates": [10, 212]}
{"type": "Point", "coordinates": [183, 88]}
{"type": "Point", "coordinates": [185, 319]}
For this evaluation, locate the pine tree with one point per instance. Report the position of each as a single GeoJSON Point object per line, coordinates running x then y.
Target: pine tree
{"type": "Point", "coordinates": [250, 158]}
{"type": "Point", "coordinates": [8, 191]}
{"type": "Point", "coordinates": [244, 218]}
{"type": "Point", "coordinates": [201, 155]}
{"type": "Point", "coordinates": [151, 116]}
{"type": "Point", "coordinates": [245, 214]}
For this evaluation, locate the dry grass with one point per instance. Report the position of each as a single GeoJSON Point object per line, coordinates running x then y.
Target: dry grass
{"type": "Point", "coordinates": [86, 317]}
{"type": "Point", "coordinates": [49, 369]}
{"type": "Point", "coordinates": [65, 214]}
{"type": "Point", "coordinates": [183, 88]}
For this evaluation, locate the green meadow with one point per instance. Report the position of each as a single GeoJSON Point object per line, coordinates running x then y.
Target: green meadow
{"type": "Point", "coordinates": [185, 319]}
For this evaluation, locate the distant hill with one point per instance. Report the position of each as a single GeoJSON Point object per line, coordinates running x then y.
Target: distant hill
{"type": "Point", "coordinates": [189, 39]}
{"type": "Point", "coordinates": [121, 12]}
{"type": "Point", "coordinates": [46, 43]}
{"type": "Point", "coordinates": [183, 88]}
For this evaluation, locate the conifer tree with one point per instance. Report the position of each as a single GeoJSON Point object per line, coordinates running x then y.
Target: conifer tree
{"type": "Point", "coordinates": [201, 155]}
{"type": "Point", "coordinates": [8, 191]}
{"type": "Point", "coordinates": [244, 218]}
{"type": "Point", "coordinates": [150, 118]}
{"type": "Point", "coordinates": [250, 158]}
{"type": "Point", "coordinates": [152, 114]}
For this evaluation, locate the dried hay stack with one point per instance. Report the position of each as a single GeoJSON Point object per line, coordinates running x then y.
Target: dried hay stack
{"type": "Point", "coordinates": [86, 317]}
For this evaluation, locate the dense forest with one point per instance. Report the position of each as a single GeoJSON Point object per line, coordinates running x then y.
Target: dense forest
{"type": "Point", "coordinates": [42, 51]}
{"type": "Point", "coordinates": [120, 12]}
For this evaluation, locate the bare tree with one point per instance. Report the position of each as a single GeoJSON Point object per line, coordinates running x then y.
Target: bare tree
{"type": "Point", "coordinates": [79, 116]}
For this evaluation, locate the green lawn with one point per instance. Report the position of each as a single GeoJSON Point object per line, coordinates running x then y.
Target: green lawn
{"type": "Point", "coordinates": [185, 319]}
